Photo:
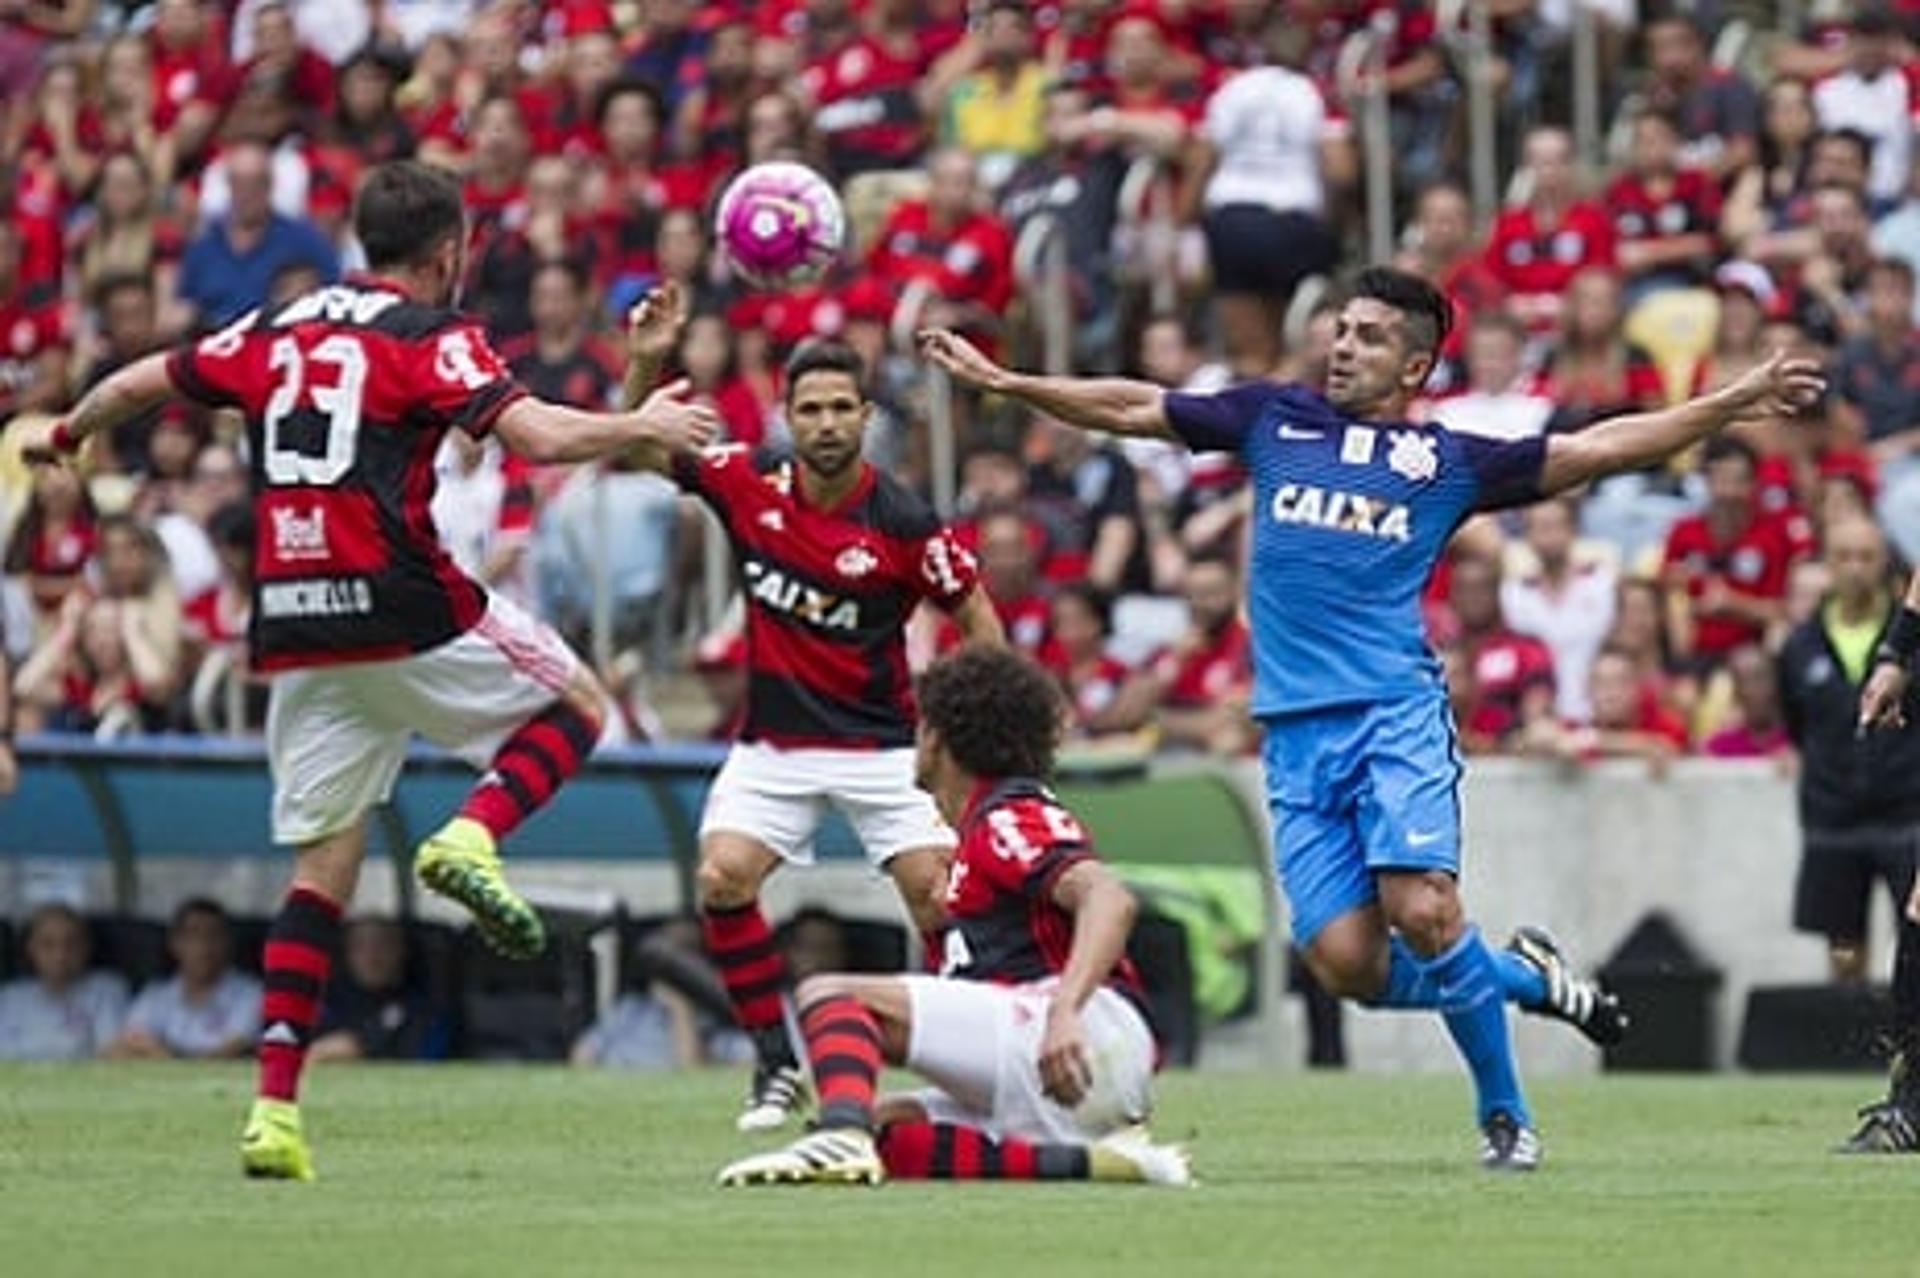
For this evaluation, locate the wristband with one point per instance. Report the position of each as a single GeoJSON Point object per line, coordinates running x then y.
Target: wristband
{"type": "Point", "coordinates": [61, 439]}
{"type": "Point", "coordinates": [1903, 637]}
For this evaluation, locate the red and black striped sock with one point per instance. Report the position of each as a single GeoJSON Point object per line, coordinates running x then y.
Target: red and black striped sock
{"type": "Point", "coordinates": [946, 1151]}
{"type": "Point", "coordinates": [755, 973]}
{"type": "Point", "coordinates": [298, 956]}
{"type": "Point", "coordinates": [843, 1043]}
{"type": "Point", "coordinates": [530, 767]}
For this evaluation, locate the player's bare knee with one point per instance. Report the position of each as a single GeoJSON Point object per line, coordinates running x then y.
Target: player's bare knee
{"type": "Point", "coordinates": [819, 988]}
{"type": "Point", "coordinates": [586, 698]}
{"type": "Point", "coordinates": [1343, 969]}
{"type": "Point", "coordinates": [719, 882]}
{"type": "Point", "coordinates": [1425, 909]}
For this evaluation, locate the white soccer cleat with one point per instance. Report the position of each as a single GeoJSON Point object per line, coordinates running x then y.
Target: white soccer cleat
{"type": "Point", "coordinates": [1132, 1155]}
{"type": "Point", "coordinates": [831, 1156]}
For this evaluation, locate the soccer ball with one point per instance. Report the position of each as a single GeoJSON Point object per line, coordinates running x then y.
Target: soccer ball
{"type": "Point", "coordinates": [780, 225]}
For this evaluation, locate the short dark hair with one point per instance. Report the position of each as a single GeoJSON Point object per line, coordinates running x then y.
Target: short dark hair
{"type": "Point", "coordinates": [997, 713]}
{"type": "Point", "coordinates": [1428, 314]}
{"type": "Point", "coordinates": [1092, 598]}
{"type": "Point", "coordinates": [200, 905]}
{"type": "Point", "coordinates": [1722, 447]}
{"type": "Point", "coordinates": [824, 355]}
{"type": "Point", "coordinates": [1898, 267]}
{"type": "Point", "coordinates": [403, 212]}
{"type": "Point", "coordinates": [575, 272]}
{"type": "Point", "coordinates": [1847, 136]}
{"type": "Point", "coordinates": [634, 86]}
{"type": "Point", "coordinates": [119, 282]}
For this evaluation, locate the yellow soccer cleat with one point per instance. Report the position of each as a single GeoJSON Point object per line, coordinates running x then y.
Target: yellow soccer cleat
{"type": "Point", "coordinates": [460, 863]}
{"type": "Point", "coordinates": [272, 1147]}
{"type": "Point", "coordinates": [830, 1156]}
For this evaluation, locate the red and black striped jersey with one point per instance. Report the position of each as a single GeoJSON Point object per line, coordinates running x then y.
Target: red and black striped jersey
{"type": "Point", "coordinates": [348, 392]}
{"type": "Point", "coordinates": [828, 595]}
{"type": "Point", "coordinates": [1003, 924]}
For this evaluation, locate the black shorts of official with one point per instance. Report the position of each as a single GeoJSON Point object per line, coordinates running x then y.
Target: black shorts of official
{"type": "Point", "coordinates": [1835, 889]}
{"type": "Point", "coordinates": [1254, 249]}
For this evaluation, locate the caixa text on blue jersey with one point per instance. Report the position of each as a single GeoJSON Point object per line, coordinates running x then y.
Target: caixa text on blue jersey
{"type": "Point", "coordinates": [1341, 511]}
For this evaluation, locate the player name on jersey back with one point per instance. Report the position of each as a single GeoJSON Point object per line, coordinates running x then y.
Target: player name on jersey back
{"type": "Point", "coordinates": [348, 392]}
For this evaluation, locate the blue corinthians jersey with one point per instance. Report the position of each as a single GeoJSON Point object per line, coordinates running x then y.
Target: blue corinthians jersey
{"type": "Point", "coordinates": [1349, 519]}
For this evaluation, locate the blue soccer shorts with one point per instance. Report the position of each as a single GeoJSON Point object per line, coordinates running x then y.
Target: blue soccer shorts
{"type": "Point", "coordinates": [1354, 790]}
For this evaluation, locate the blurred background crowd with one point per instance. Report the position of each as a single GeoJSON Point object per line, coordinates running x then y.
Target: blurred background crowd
{"type": "Point", "coordinates": [1165, 188]}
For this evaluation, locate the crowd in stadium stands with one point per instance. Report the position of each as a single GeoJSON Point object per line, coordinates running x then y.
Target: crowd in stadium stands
{"type": "Point", "coordinates": [170, 165]}
{"type": "Point", "coordinates": [403, 991]}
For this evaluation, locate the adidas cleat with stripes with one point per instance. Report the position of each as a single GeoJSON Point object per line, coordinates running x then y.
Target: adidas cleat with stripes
{"type": "Point", "coordinates": [1507, 1145]}
{"type": "Point", "coordinates": [1885, 1128]}
{"type": "Point", "coordinates": [778, 1093]}
{"type": "Point", "coordinates": [461, 864]}
{"type": "Point", "coordinates": [1575, 999]}
{"type": "Point", "coordinates": [831, 1156]}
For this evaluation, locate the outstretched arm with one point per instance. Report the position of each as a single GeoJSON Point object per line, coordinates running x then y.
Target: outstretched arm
{"type": "Point", "coordinates": [552, 433]}
{"type": "Point", "coordinates": [1780, 387]}
{"type": "Point", "coordinates": [1112, 404]}
{"type": "Point", "coordinates": [121, 397]}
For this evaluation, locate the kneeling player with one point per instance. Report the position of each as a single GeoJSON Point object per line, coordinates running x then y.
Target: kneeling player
{"type": "Point", "coordinates": [1032, 1035]}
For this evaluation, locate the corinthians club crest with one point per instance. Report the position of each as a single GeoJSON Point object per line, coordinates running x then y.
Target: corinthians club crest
{"type": "Point", "coordinates": [1413, 454]}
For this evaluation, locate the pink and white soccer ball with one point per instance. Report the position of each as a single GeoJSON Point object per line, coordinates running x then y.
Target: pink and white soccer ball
{"type": "Point", "coordinates": [780, 225]}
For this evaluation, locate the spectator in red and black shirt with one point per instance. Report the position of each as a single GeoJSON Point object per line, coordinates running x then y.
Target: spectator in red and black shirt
{"type": "Point", "coordinates": [33, 339]}
{"type": "Point", "coordinates": [53, 539]}
{"type": "Point", "coordinates": [1444, 254]}
{"type": "Point", "coordinates": [366, 119]}
{"type": "Point", "coordinates": [1087, 496]}
{"type": "Point", "coordinates": [948, 243]}
{"type": "Point", "coordinates": [1510, 674]}
{"type": "Point", "coordinates": [1666, 217]}
{"type": "Point", "coordinates": [710, 119]}
{"type": "Point", "coordinates": [1718, 111]}
{"type": "Point", "coordinates": [1535, 249]}
{"type": "Point", "coordinates": [874, 89]}
{"type": "Point", "coordinates": [560, 360]}
{"type": "Point", "coordinates": [1079, 625]}
{"type": "Point", "coordinates": [707, 359]}
{"type": "Point", "coordinates": [1008, 550]}
{"type": "Point", "coordinates": [1196, 691]}
{"type": "Point", "coordinates": [283, 88]}
{"type": "Point", "coordinates": [1595, 372]}
{"type": "Point", "coordinates": [1726, 568]}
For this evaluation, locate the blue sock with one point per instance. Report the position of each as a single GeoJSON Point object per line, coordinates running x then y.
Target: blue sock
{"type": "Point", "coordinates": [1408, 985]}
{"type": "Point", "coordinates": [1473, 1000]}
{"type": "Point", "coordinates": [1524, 983]}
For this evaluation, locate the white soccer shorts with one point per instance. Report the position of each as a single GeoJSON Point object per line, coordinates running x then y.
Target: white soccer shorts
{"type": "Point", "coordinates": [779, 796]}
{"type": "Point", "coordinates": [979, 1044]}
{"type": "Point", "coordinates": [337, 735]}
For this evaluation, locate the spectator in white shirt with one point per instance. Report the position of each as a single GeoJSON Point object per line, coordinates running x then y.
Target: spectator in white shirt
{"type": "Point", "coordinates": [1874, 96]}
{"type": "Point", "coordinates": [1498, 402]}
{"type": "Point", "coordinates": [1562, 597]}
{"type": "Point", "coordinates": [1270, 145]}
{"type": "Point", "coordinates": [206, 1009]}
{"type": "Point", "coordinates": [61, 1012]}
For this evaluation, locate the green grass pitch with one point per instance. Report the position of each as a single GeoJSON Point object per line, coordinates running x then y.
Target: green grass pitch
{"type": "Point", "coordinates": [109, 1170]}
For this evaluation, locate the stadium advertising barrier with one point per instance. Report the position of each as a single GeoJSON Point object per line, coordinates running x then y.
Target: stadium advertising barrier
{"type": "Point", "coordinates": [1589, 853]}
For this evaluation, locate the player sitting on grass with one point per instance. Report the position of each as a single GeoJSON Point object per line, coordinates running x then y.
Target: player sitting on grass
{"type": "Point", "coordinates": [1033, 1034]}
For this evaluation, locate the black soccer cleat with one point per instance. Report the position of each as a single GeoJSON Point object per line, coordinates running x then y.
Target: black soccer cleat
{"type": "Point", "coordinates": [1885, 1128]}
{"type": "Point", "coordinates": [779, 1092]}
{"type": "Point", "coordinates": [1508, 1145]}
{"type": "Point", "coordinates": [1579, 1001]}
